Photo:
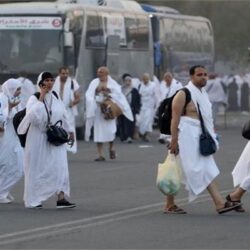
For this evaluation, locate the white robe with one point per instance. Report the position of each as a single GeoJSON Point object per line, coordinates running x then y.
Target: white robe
{"type": "Point", "coordinates": [241, 171]}
{"type": "Point", "coordinates": [28, 89]}
{"type": "Point", "coordinates": [169, 91]}
{"type": "Point", "coordinates": [199, 171]}
{"type": "Point", "coordinates": [11, 152]}
{"type": "Point", "coordinates": [149, 103]}
{"type": "Point", "coordinates": [68, 96]}
{"type": "Point", "coordinates": [215, 91]}
{"type": "Point", "coordinates": [45, 165]}
{"type": "Point", "coordinates": [104, 130]}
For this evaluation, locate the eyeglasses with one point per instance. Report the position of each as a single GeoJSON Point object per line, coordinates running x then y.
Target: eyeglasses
{"type": "Point", "coordinates": [201, 74]}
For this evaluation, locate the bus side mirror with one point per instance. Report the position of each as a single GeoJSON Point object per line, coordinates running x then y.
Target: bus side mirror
{"type": "Point", "coordinates": [68, 39]}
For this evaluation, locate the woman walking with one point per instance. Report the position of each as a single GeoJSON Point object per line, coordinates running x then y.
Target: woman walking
{"type": "Point", "coordinates": [45, 165]}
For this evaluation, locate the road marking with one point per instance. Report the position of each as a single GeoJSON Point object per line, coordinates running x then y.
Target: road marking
{"type": "Point", "coordinates": [145, 146]}
{"type": "Point", "coordinates": [77, 225]}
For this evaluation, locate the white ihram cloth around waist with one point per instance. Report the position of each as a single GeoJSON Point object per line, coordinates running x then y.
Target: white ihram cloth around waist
{"type": "Point", "coordinates": [199, 171]}
{"type": "Point", "coordinates": [241, 171]}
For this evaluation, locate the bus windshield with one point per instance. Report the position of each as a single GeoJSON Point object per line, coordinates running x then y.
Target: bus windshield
{"type": "Point", "coordinates": [29, 48]}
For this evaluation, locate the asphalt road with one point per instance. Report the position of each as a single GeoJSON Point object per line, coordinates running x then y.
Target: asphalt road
{"type": "Point", "coordinates": [119, 207]}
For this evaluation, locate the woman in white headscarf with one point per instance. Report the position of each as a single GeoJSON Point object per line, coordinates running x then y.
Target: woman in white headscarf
{"type": "Point", "coordinates": [45, 165]}
{"type": "Point", "coordinates": [11, 152]}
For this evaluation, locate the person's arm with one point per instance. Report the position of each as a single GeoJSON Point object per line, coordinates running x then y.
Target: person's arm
{"type": "Point", "coordinates": [12, 105]}
{"type": "Point", "coordinates": [77, 98]}
{"type": "Point", "coordinates": [177, 109]}
{"type": "Point", "coordinates": [77, 94]}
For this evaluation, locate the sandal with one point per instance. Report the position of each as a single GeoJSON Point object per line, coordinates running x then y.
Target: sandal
{"type": "Point", "coordinates": [174, 210]}
{"type": "Point", "coordinates": [112, 154]}
{"type": "Point", "coordinates": [100, 158]}
{"type": "Point", "coordinates": [228, 206]}
{"type": "Point", "coordinates": [239, 209]}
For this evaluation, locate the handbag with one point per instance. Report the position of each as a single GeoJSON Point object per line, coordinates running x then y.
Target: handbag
{"type": "Point", "coordinates": [56, 134]}
{"type": "Point", "coordinates": [169, 175]}
{"type": "Point", "coordinates": [246, 130]}
{"type": "Point", "coordinates": [206, 142]}
{"type": "Point", "coordinates": [110, 109]}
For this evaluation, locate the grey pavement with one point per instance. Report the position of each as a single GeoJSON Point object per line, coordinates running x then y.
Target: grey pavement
{"type": "Point", "coordinates": [119, 207]}
{"type": "Point", "coordinates": [232, 119]}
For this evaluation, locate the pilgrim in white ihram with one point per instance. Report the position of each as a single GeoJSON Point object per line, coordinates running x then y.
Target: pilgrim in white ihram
{"type": "Point", "coordinates": [45, 165]}
{"type": "Point", "coordinates": [11, 152]}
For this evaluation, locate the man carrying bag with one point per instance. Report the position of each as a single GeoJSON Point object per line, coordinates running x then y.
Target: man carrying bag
{"type": "Point", "coordinates": [200, 171]}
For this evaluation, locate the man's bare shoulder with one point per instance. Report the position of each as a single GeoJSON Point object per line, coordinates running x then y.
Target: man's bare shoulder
{"type": "Point", "coordinates": [179, 99]}
{"type": "Point", "coordinates": [180, 95]}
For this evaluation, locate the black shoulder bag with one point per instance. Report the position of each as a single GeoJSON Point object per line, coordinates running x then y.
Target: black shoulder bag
{"type": "Point", "coordinates": [56, 133]}
{"type": "Point", "coordinates": [207, 143]}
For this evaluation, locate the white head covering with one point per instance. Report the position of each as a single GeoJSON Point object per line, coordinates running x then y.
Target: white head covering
{"type": "Point", "coordinates": [42, 77]}
{"type": "Point", "coordinates": [39, 78]}
{"type": "Point", "coordinates": [10, 86]}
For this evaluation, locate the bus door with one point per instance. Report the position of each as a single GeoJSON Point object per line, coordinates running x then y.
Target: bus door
{"type": "Point", "coordinates": [112, 55]}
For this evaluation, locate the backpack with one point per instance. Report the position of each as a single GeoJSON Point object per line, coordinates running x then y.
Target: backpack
{"type": "Point", "coordinates": [165, 112]}
{"type": "Point", "coordinates": [18, 117]}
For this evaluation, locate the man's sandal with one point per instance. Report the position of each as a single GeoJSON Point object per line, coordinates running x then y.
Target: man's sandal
{"type": "Point", "coordinates": [228, 206]}
{"type": "Point", "coordinates": [239, 209]}
{"type": "Point", "coordinates": [174, 210]}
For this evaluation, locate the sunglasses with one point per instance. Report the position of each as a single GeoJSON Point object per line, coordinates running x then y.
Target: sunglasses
{"type": "Point", "coordinates": [201, 74]}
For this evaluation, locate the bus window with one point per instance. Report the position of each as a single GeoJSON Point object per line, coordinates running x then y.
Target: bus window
{"type": "Point", "coordinates": [142, 36]}
{"type": "Point", "coordinates": [22, 50]}
{"type": "Point", "coordinates": [155, 28]}
{"type": "Point", "coordinates": [137, 32]}
{"type": "Point", "coordinates": [188, 35]}
{"type": "Point", "coordinates": [76, 25]}
{"type": "Point", "coordinates": [131, 30]}
{"type": "Point", "coordinates": [94, 31]}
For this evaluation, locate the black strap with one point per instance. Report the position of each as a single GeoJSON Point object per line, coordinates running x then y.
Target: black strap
{"type": "Point", "coordinates": [49, 123]}
{"type": "Point", "coordinates": [59, 121]}
{"type": "Point", "coordinates": [55, 94]}
{"type": "Point", "coordinates": [49, 120]}
{"type": "Point", "coordinates": [72, 85]}
{"type": "Point", "coordinates": [139, 87]}
{"type": "Point", "coordinates": [201, 120]}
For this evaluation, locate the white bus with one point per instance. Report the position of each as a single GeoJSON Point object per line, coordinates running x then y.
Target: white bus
{"type": "Point", "coordinates": [180, 41]}
{"type": "Point", "coordinates": [43, 36]}
{"type": "Point", "coordinates": [36, 37]}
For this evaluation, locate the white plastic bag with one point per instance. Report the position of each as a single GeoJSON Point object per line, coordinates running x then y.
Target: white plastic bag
{"type": "Point", "coordinates": [169, 175]}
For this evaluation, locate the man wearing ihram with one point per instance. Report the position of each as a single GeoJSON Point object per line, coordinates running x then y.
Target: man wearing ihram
{"type": "Point", "coordinates": [186, 128]}
{"type": "Point", "coordinates": [101, 89]}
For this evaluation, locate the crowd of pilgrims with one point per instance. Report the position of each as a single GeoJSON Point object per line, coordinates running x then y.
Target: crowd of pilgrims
{"type": "Point", "coordinates": [44, 166]}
